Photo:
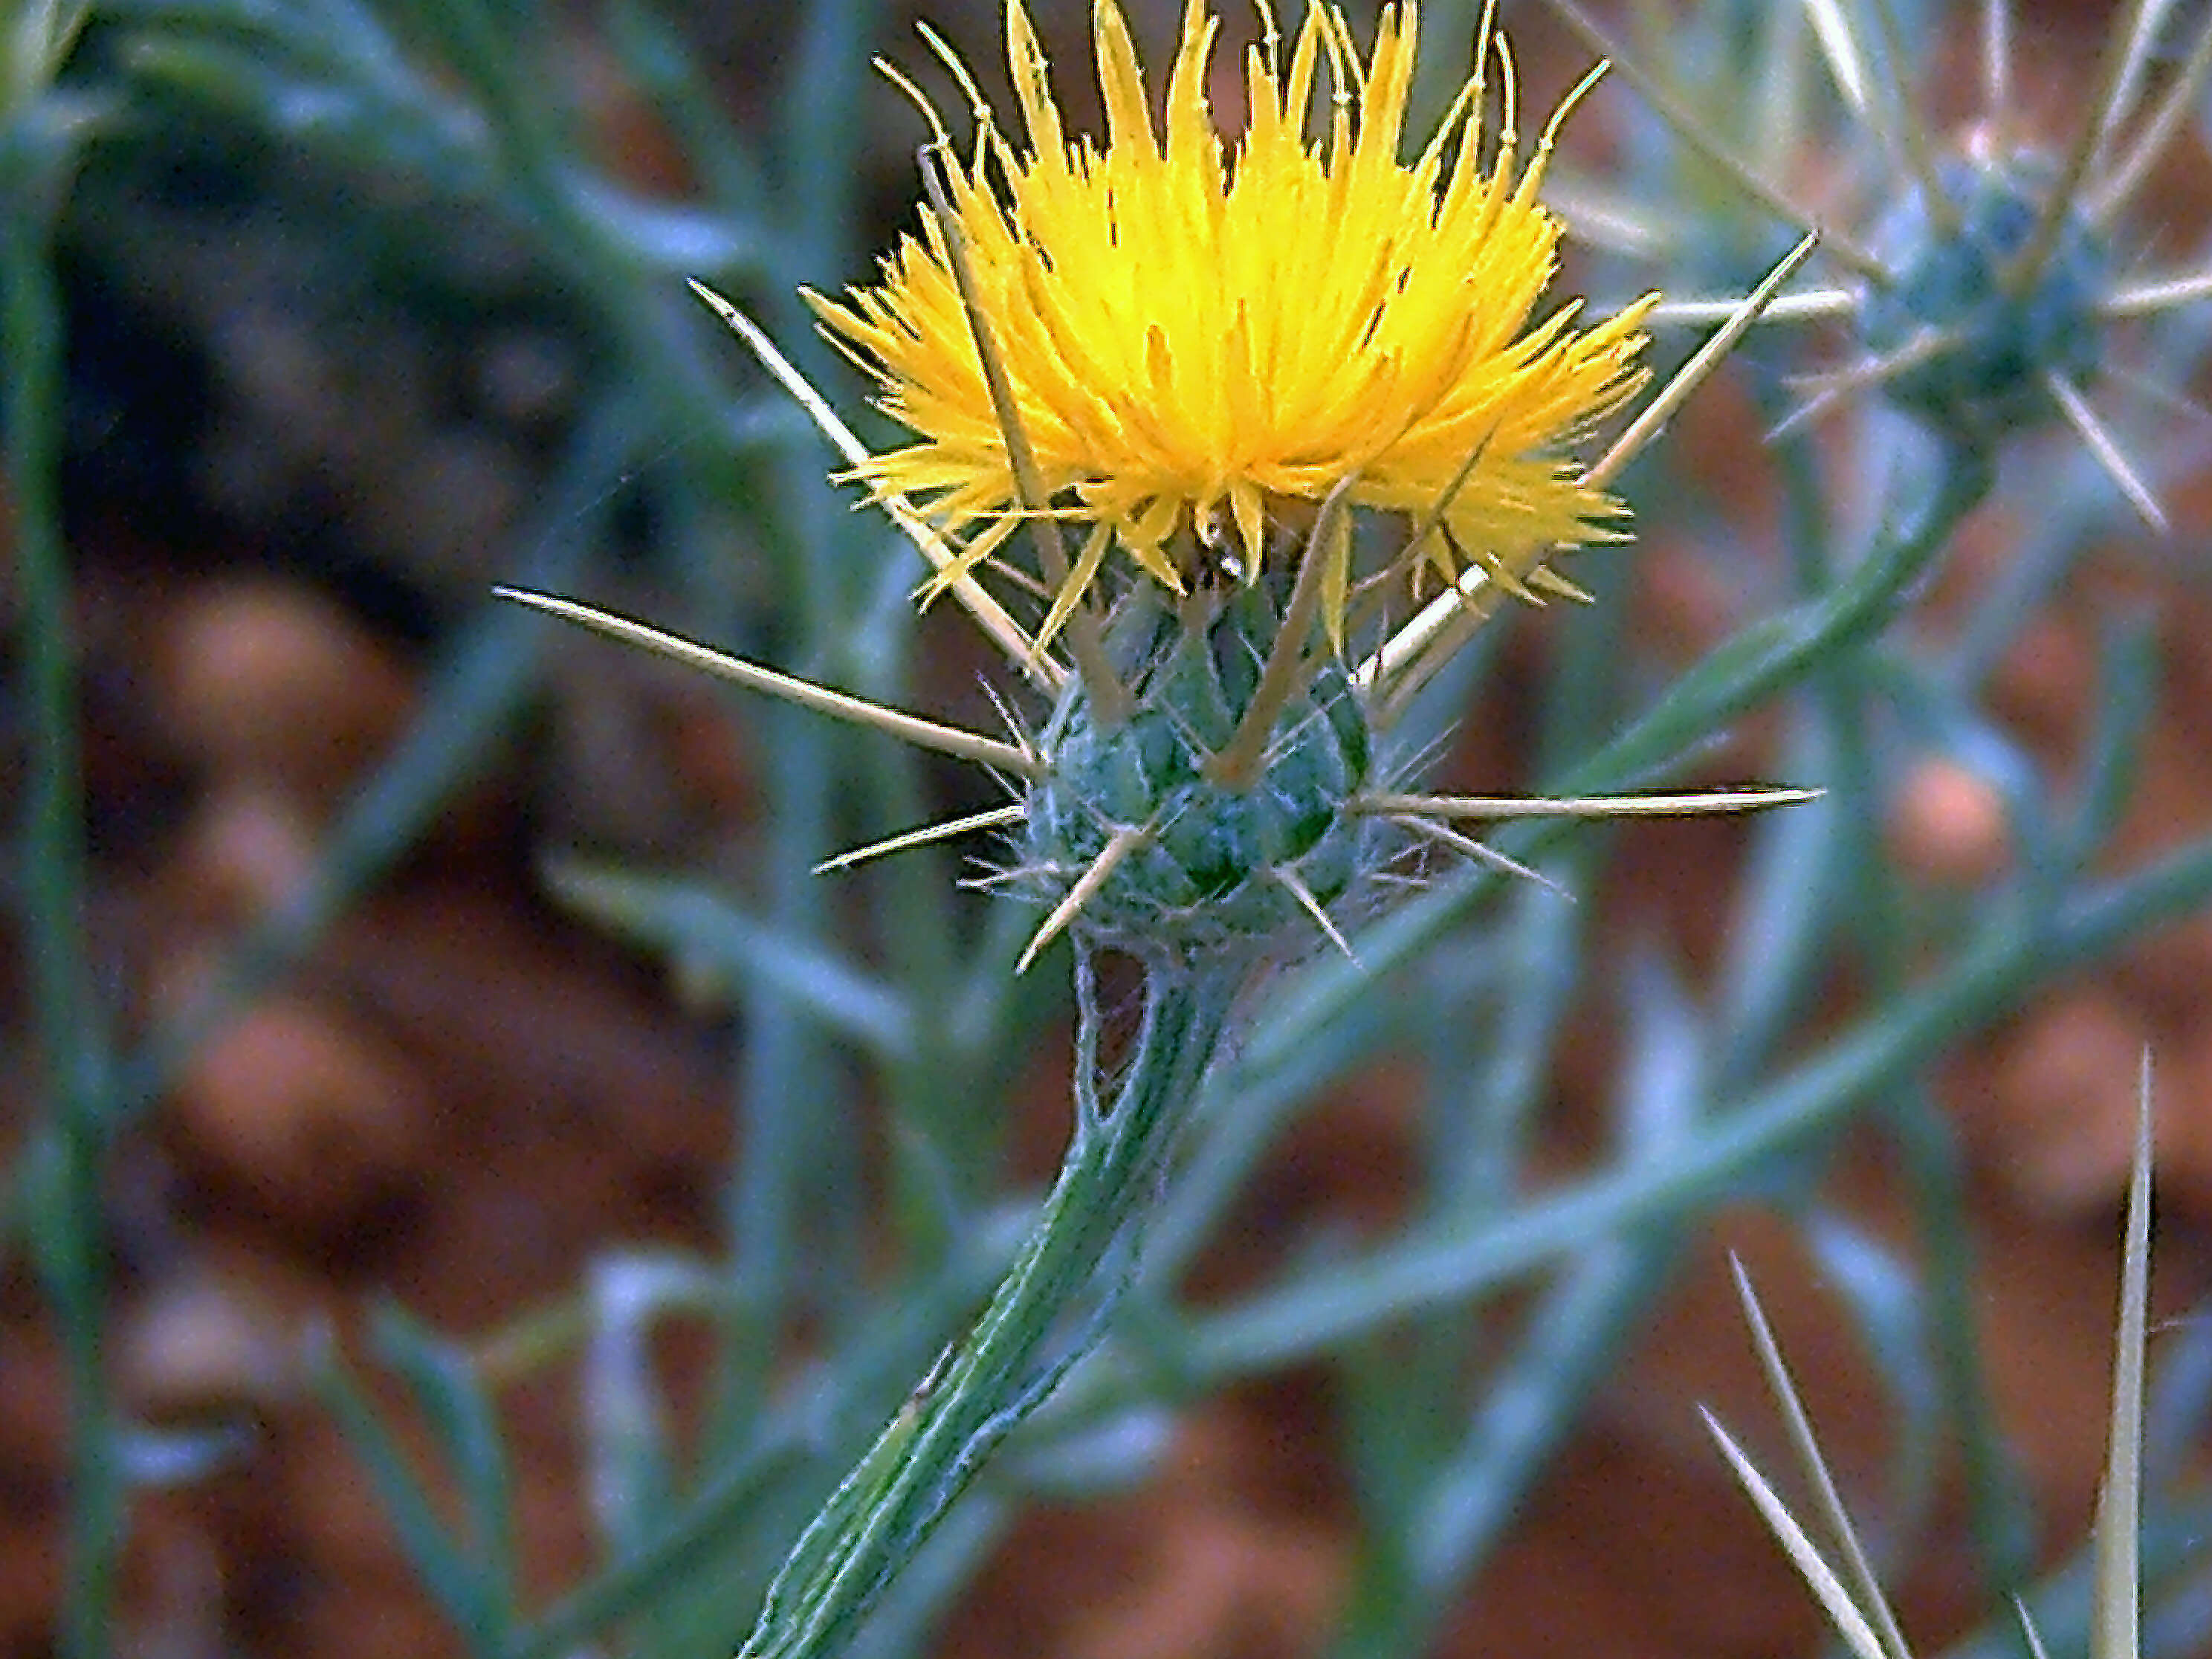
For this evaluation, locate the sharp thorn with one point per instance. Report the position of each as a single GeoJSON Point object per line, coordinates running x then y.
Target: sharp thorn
{"type": "Point", "coordinates": [996, 818]}
{"type": "Point", "coordinates": [2105, 450]}
{"type": "Point", "coordinates": [1480, 853]}
{"type": "Point", "coordinates": [1312, 906]}
{"type": "Point", "coordinates": [1119, 845]}
{"type": "Point", "coordinates": [839, 705]}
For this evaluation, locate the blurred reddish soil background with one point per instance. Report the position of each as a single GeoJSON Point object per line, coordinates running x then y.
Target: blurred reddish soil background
{"type": "Point", "coordinates": [463, 1095]}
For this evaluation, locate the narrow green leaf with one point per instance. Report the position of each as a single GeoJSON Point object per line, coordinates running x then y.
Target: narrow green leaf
{"type": "Point", "coordinates": [443, 1563]}
{"type": "Point", "coordinates": [466, 1430]}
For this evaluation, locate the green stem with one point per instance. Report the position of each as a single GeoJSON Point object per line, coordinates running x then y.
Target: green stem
{"type": "Point", "coordinates": [2015, 956]}
{"type": "Point", "coordinates": [1998, 1505]}
{"type": "Point", "coordinates": [1866, 884]}
{"type": "Point", "coordinates": [61, 1193]}
{"type": "Point", "coordinates": [1009, 1362]}
{"type": "Point", "coordinates": [1770, 655]}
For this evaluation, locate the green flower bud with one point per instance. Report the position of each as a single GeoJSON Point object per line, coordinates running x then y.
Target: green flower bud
{"type": "Point", "coordinates": [1215, 870]}
{"type": "Point", "coordinates": [1992, 376]}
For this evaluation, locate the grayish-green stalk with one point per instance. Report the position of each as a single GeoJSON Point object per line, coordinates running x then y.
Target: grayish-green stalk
{"type": "Point", "coordinates": [1065, 1275]}
{"type": "Point", "coordinates": [57, 1194]}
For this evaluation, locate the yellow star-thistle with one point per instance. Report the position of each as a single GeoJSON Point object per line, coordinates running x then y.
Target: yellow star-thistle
{"type": "Point", "coordinates": [1202, 341]}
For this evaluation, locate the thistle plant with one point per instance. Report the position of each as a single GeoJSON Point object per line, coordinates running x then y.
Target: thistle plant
{"type": "Point", "coordinates": [1255, 437]}
{"type": "Point", "coordinates": [1135, 341]}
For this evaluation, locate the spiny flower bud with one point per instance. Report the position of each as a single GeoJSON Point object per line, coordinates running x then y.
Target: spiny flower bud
{"type": "Point", "coordinates": [1985, 292]}
{"type": "Point", "coordinates": [1210, 867]}
{"type": "Point", "coordinates": [1955, 280]}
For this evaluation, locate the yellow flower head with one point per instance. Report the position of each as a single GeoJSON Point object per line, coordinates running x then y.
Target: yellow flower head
{"type": "Point", "coordinates": [1202, 342]}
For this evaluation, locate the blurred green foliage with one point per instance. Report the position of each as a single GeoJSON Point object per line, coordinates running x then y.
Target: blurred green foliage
{"type": "Point", "coordinates": [433, 158]}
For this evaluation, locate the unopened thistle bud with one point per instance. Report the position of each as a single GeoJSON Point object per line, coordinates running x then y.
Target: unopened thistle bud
{"type": "Point", "coordinates": [1209, 865]}
{"type": "Point", "coordinates": [1959, 277]}
{"type": "Point", "coordinates": [1985, 295]}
